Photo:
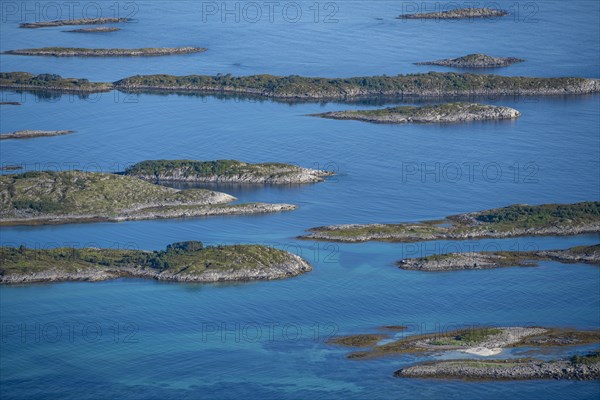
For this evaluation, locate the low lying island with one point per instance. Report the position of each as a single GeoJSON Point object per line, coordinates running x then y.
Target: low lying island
{"type": "Point", "coordinates": [180, 262]}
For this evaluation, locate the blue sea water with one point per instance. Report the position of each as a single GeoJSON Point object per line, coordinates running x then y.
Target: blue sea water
{"type": "Point", "coordinates": [142, 339]}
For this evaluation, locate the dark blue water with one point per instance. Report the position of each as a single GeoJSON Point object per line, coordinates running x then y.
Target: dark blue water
{"type": "Point", "coordinates": [163, 340]}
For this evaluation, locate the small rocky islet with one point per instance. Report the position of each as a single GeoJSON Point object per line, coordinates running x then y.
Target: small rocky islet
{"type": "Point", "coordinates": [226, 171]}
{"type": "Point", "coordinates": [181, 262]}
{"type": "Point", "coordinates": [580, 368]}
{"type": "Point", "coordinates": [99, 29]}
{"type": "Point", "coordinates": [48, 197]}
{"type": "Point", "coordinates": [500, 259]}
{"type": "Point", "coordinates": [474, 61]}
{"type": "Point", "coordinates": [85, 52]}
{"type": "Point", "coordinates": [80, 21]}
{"type": "Point", "coordinates": [29, 134]}
{"type": "Point", "coordinates": [458, 13]}
{"type": "Point", "coordinates": [439, 113]}
{"type": "Point", "coordinates": [511, 221]}
{"type": "Point", "coordinates": [432, 84]}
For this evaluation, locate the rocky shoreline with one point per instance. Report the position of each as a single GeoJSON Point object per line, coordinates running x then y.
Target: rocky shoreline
{"type": "Point", "coordinates": [83, 52]}
{"type": "Point", "coordinates": [224, 171]}
{"type": "Point", "coordinates": [429, 85]}
{"type": "Point", "coordinates": [441, 113]}
{"type": "Point", "coordinates": [488, 260]}
{"type": "Point", "coordinates": [82, 21]}
{"type": "Point", "coordinates": [512, 221]}
{"type": "Point", "coordinates": [28, 134]}
{"type": "Point", "coordinates": [474, 61]}
{"type": "Point", "coordinates": [520, 369]}
{"type": "Point", "coordinates": [459, 13]}
{"type": "Point", "coordinates": [203, 265]}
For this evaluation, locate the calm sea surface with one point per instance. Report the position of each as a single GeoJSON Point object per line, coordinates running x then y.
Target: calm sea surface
{"type": "Point", "coordinates": [136, 339]}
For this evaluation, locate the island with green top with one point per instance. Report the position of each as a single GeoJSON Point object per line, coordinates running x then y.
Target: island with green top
{"type": "Point", "coordinates": [230, 171]}
{"type": "Point", "coordinates": [474, 61]}
{"type": "Point", "coordinates": [512, 221]}
{"type": "Point", "coordinates": [46, 197]}
{"type": "Point", "coordinates": [50, 82]}
{"type": "Point", "coordinates": [484, 341]}
{"type": "Point", "coordinates": [432, 84]}
{"type": "Point", "coordinates": [181, 262]}
{"type": "Point", "coordinates": [439, 113]}
{"type": "Point", "coordinates": [500, 259]}
{"type": "Point", "coordinates": [85, 52]}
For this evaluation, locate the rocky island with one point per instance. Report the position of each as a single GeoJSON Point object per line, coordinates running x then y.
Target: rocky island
{"type": "Point", "coordinates": [576, 368]}
{"type": "Point", "coordinates": [477, 340]}
{"type": "Point", "coordinates": [499, 259]}
{"type": "Point", "coordinates": [34, 198]}
{"type": "Point", "coordinates": [474, 61]}
{"type": "Point", "coordinates": [439, 113]}
{"type": "Point", "coordinates": [512, 221]}
{"type": "Point", "coordinates": [432, 84]}
{"type": "Point", "coordinates": [84, 52]}
{"type": "Point", "coordinates": [180, 262]}
{"type": "Point", "coordinates": [28, 134]}
{"type": "Point", "coordinates": [458, 13]}
{"type": "Point", "coordinates": [230, 171]}
{"type": "Point", "coordinates": [81, 21]}
{"type": "Point", "coordinates": [50, 82]}
{"type": "Point", "coordinates": [99, 29]}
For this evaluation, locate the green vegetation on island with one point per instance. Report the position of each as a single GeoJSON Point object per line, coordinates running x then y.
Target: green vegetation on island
{"type": "Point", "coordinates": [474, 61]}
{"type": "Point", "coordinates": [184, 262]}
{"type": "Point", "coordinates": [73, 196]}
{"type": "Point", "coordinates": [511, 221]}
{"type": "Point", "coordinates": [431, 84]}
{"type": "Point", "coordinates": [52, 82]}
{"type": "Point", "coordinates": [85, 52]}
{"type": "Point", "coordinates": [439, 113]}
{"type": "Point", "coordinates": [64, 22]}
{"type": "Point", "coordinates": [232, 171]}
{"type": "Point", "coordinates": [477, 340]}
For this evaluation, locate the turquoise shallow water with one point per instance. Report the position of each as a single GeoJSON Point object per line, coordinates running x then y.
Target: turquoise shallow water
{"type": "Point", "coordinates": [163, 340]}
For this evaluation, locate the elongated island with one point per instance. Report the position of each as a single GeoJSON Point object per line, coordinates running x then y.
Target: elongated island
{"type": "Point", "coordinates": [500, 259]}
{"type": "Point", "coordinates": [34, 198]}
{"type": "Point", "coordinates": [230, 171]}
{"type": "Point", "coordinates": [28, 134]}
{"type": "Point", "coordinates": [432, 84]}
{"type": "Point", "coordinates": [181, 262]}
{"type": "Point", "coordinates": [458, 13]}
{"type": "Point", "coordinates": [512, 221]}
{"type": "Point", "coordinates": [81, 21]}
{"type": "Point", "coordinates": [474, 61]}
{"type": "Point", "coordinates": [84, 52]}
{"type": "Point", "coordinates": [99, 29]}
{"type": "Point", "coordinates": [439, 113]}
